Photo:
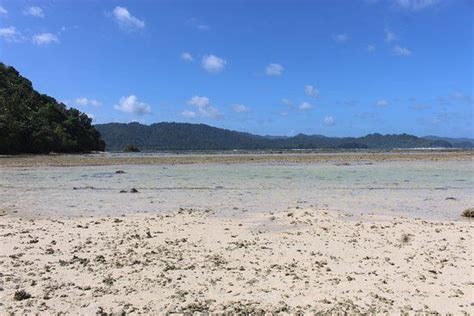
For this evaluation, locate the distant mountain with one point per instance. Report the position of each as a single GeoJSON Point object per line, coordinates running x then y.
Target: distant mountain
{"type": "Point", "coordinates": [176, 136]}
{"type": "Point", "coordinates": [185, 136]}
{"type": "Point", "coordinates": [275, 137]}
{"type": "Point", "coordinates": [285, 137]}
{"type": "Point", "coordinates": [462, 142]}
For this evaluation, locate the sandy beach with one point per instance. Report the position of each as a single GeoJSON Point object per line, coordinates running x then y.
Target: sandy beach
{"type": "Point", "coordinates": [217, 241]}
{"type": "Point", "coordinates": [299, 260]}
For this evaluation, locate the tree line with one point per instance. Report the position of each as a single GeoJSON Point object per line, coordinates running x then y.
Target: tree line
{"type": "Point", "coordinates": [31, 122]}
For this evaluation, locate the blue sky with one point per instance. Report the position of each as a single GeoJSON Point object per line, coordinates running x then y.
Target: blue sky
{"type": "Point", "coordinates": [339, 68]}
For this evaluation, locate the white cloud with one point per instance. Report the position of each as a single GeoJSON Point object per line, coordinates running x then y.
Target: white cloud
{"type": "Point", "coordinates": [204, 107]}
{"type": "Point", "coordinates": [415, 4]}
{"type": "Point", "coordinates": [10, 34]}
{"type": "Point", "coordinates": [187, 56]}
{"type": "Point", "coordinates": [213, 64]}
{"type": "Point", "coordinates": [370, 48]}
{"type": "Point", "coordinates": [45, 39]}
{"type": "Point", "coordinates": [34, 11]}
{"type": "Point", "coordinates": [329, 121]}
{"type": "Point", "coordinates": [401, 51]}
{"type": "Point", "coordinates": [390, 36]}
{"type": "Point", "coordinates": [340, 38]}
{"type": "Point", "coordinates": [130, 104]}
{"type": "Point", "coordinates": [3, 11]}
{"type": "Point", "coordinates": [305, 106]}
{"type": "Point", "coordinates": [188, 114]}
{"type": "Point", "coordinates": [382, 103]}
{"type": "Point", "coordinates": [127, 21]}
{"type": "Point", "coordinates": [199, 101]}
{"type": "Point", "coordinates": [85, 102]}
{"type": "Point", "coordinates": [274, 70]}
{"type": "Point", "coordinates": [240, 108]}
{"type": "Point", "coordinates": [311, 91]}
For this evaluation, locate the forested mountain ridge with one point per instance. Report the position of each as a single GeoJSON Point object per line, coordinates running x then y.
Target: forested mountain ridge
{"type": "Point", "coordinates": [186, 136]}
{"type": "Point", "coordinates": [176, 136]}
{"type": "Point", "coordinates": [31, 122]}
{"type": "Point", "coordinates": [462, 142]}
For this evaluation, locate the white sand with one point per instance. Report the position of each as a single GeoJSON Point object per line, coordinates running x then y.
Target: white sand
{"type": "Point", "coordinates": [194, 260]}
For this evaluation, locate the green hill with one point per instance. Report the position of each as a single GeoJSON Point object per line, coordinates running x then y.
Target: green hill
{"type": "Point", "coordinates": [31, 122]}
{"type": "Point", "coordinates": [464, 142]}
{"type": "Point", "coordinates": [185, 136]}
{"type": "Point", "coordinates": [176, 136]}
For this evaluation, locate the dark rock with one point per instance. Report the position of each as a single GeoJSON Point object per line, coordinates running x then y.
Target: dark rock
{"type": "Point", "coordinates": [109, 280]}
{"type": "Point", "coordinates": [87, 187]}
{"type": "Point", "coordinates": [83, 261]}
{"type": "Point", "coordinates": [469, 212]}
{"type": "Point", "coordinates": [21, 295]}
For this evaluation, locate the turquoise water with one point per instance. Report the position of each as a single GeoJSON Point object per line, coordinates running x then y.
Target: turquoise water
{"type": "Point", "coordinates": [436, 190]}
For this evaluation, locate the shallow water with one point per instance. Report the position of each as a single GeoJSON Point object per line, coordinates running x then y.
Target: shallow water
{"type": "Point", "coordinates": [417, 189]}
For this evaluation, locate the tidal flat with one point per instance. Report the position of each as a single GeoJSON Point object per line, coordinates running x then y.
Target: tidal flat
{"type": "Point", "coordinates": [237, 233]}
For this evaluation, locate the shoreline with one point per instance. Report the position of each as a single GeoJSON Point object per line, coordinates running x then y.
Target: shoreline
{"type": "Point", "coordinates": [104, 159]}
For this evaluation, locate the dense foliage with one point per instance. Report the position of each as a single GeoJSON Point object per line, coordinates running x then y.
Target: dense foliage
{"type": "Point", "coordinates": [175, 136]}
{"type": "Point", "coordinates": [184, 136]}
{"type": "Point", "coordinates": [35, 123]}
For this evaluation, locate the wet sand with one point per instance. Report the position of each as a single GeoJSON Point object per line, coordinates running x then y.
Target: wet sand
{"type": "Point", "coordinates": [427, 189]}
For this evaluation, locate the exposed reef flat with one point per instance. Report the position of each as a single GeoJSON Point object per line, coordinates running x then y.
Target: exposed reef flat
{"type": "Point", "coordinates": [203, 158]}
